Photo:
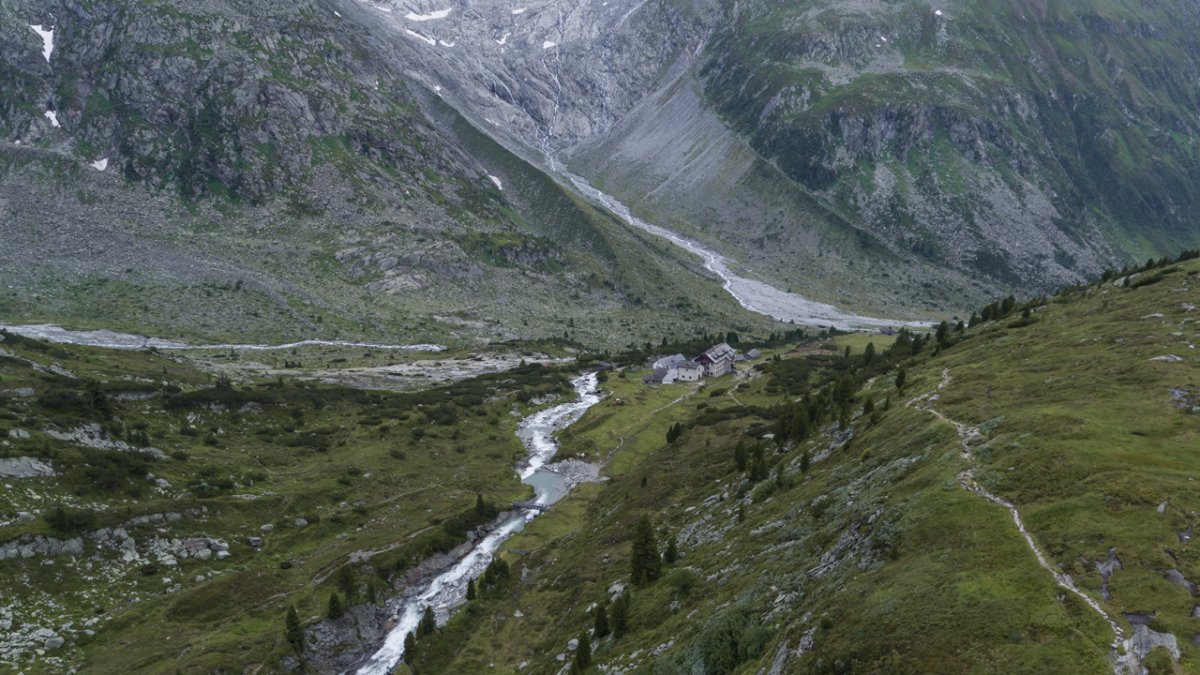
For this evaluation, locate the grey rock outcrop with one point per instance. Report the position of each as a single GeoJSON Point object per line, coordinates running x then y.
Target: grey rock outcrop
{"type": "Point", "coordinates": [25, 467]}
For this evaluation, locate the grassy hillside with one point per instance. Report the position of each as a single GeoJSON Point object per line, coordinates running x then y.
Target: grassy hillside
{"type": "Point", "coordinates": [862, 549]}
{"type": "Point", "coordinates": [151, 456]}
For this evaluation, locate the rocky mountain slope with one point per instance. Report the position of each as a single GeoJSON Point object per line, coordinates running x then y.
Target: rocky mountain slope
{"type": "Point", "coordinates": [876, 154]}
{"type": "Point", "coordinates": [252, 169]}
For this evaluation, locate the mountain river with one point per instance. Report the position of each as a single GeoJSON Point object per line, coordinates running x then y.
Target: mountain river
{"type": "Point", "coordinates": [447, 591]}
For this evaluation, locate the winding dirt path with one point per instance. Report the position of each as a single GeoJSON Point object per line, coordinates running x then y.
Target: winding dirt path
{"type": "Point", "coordinates": [968, 437]}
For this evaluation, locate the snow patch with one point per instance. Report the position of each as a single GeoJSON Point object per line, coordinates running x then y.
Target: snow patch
{"type": "Point", "coordinates": [519, 11]}
{"type": "Point", "coordinates": [53, 117]}
{"type": "Point", "coordinates": [100, 164]}
{"type": "Point", "coordinates": [445, 44]}
{"type": "Point", "coordinates": [440, 14]}
{"type": "Point", "coordinates": [437, 87]}
{"type": "Point", "coordinates": [937, 12]}
{"type": "Point", "coordinates": [548, 44]}
{"type": "Point", "coordinates": [429, 41]}
{"type": "Point", "coordinates": [47, 40]}
{"type": "Point", "coordinates": [503, 39]}
{"type": "Point", "coordinates": [499, 185]}
{"type": "Point", "coordinates": [335, 13]}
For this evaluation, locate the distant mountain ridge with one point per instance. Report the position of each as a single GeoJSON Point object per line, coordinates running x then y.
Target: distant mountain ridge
{"type": "Point", "coordinates": [876, 154]}
{"type": "Point", "coordinates": [243, 170]}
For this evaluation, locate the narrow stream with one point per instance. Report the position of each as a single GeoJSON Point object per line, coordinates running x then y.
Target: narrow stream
{"type": "Point", "coordinates": [446, 592]}
{"type": "Point", "coordinates": [755, 296]}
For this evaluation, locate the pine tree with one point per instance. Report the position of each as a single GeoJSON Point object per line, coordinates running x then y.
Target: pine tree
{"type": "Point", "coordinates": [480, 507]}
{"type": "Point", "coordinates": [428, 624]}
{"type": "Point", "coordinates": [335, 606]}
{"type": "Point", "coordinates": [345, 582]}
{"type": "Point", "coordinates": [901, 377]}
{"type": "Point", "coordinates": [620, 615]}
{"type": "Point", "coordinates": [869, 354]}
{"type": "Point", "coordinates": [741, 518]}
{"type": "Point", "coordinates": [805, 461]}
{"type": "Point", "coordinates": [645, 565]}
{"type": "Point", "coordinates": [740, 457]}
{"type": "Point", "coordinates": [470, 590]}
{"type": "Point", "coordinates": [674, 432]}
{"type": "Point", "coordinates": [293, 631]}
{"type": "Point", "coordinates": [601, 627]}
{"type": "Point", "coordinates": [583, 653]}
{"type": "Point", "coordinates": [410, 647]}
{"type": "Point", "coordinates": [758, 467]}
{"type": "Point", "coordinates": [672, 552]}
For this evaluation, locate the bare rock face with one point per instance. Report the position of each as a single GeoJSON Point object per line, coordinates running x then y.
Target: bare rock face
{"type": "Point", "coordinates": [25, 467]}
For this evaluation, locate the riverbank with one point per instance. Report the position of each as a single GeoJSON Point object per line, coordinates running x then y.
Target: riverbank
{"type": "Point", "coordinates": [446, 591]}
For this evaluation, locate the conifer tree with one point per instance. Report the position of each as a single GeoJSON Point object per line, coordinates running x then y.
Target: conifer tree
{"type": "Point", "coordinates": [410, 647]}
{"type": "Point", "coordinates": [620, 615]}
{"type": "Point", "coordinates": [645, 565]}
{"type": "Point", "coordinates": [601, 627]}
{"type": "Point", "coordinates": [345, 582]}
{"type": "Point", "coordinates": [741, 518]}
{"type": "Point", "coordinates": [805, 461]}
{"type": "Point", "coordinates": [672, 552]}
{"type": "Point", "coordinates": [335, 606]}
{"type": "Point", "coordinates": [294, 632]}
{"type": "Point", "coordinates": [428, 624]}
{"type": "Point", "coordinates": [470, 589]}
{"type": "Point", "coordinates": [480, 507]}
{"type": "Point", "coordinates": [901, 377]}
{"type": "Point", "coordinates": [583, 653]}
{"type": "Point", "coordinates": [740, 457]}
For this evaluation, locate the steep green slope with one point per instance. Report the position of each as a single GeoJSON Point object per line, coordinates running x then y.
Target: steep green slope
{"type": "Point", "coordinates": [1021, 142]}
{"type": "Point", "coordinates": [877, 548]}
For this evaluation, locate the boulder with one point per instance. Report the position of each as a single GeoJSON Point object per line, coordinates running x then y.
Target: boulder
{"type": "Point", "coordinates": [25, 467]}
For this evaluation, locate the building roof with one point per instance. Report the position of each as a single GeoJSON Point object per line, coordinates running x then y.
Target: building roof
{"type": "Point", "coordinates": [657, 376]}
{"type": "Point", "coordinates": [721, 352]}
{"type": "Point", "coordinates": [670, 361]}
